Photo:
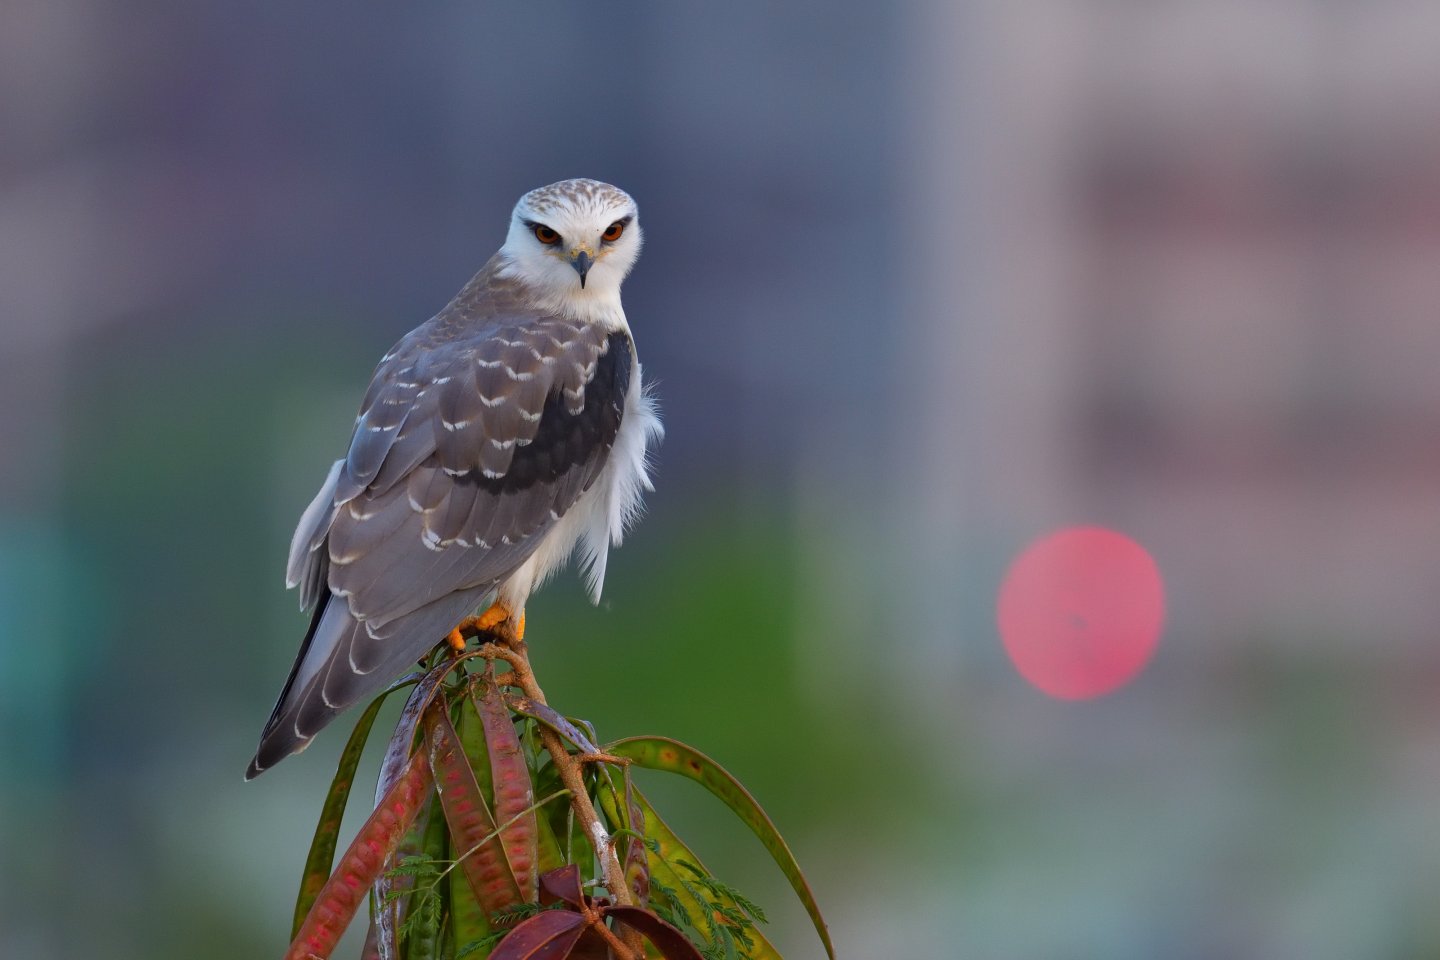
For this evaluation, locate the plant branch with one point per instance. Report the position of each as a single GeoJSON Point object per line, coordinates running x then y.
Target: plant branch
{"type": "Point", "coordinates": [570, 768]}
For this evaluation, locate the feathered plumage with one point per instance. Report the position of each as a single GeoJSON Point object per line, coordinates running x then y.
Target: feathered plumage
{"type": "Point", "coordinates": [492, 439]}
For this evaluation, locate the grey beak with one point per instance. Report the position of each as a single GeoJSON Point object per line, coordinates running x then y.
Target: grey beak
{"type": "Point", "coordinates": [581, 262]}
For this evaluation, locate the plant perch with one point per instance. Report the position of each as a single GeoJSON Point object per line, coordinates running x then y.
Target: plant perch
{"type": "Point", "coordinates": [461, 860]}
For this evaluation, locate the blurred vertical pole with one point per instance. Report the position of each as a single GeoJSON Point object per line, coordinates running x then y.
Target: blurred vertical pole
{"type": "Point", "coordinates": [987, 381]}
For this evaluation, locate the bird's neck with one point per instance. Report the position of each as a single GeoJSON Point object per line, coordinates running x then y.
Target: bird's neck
{"type": "Point", "coordinates": [599, 307]}
{"type": "Point", "coordinates": [599, 303]}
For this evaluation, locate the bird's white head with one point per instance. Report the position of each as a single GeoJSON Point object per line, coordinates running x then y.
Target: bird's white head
{"type": "Point", "coordinates": [572, 243]}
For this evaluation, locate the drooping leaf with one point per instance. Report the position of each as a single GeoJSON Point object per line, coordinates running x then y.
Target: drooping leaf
{"type": "Point", "coordinates": [548, 853]}
{"type": "Point", "coordinates": [469, 919]}
{"type": "Point", "coordinates": [672, 756]}
{"type": "Point", "coordinates": [423, 924]}
{"type": "Point", "coordinates": [409, 865]}
{"type": "Point", "coordinates": [361, 863]}
{"type": "Point", "coordinates": [513, 790]}
{"type": "Point", "coordinates": [552, 719]}
{"type": "Point", "coordinates": [481, 855]}
{"type": "Point", "coordinates": [669, 883]}
{"type": "Point", "coordinates": [550, 935]}
{"type": "Point", "coordinates": [327, 831]}
{"type": "Point", "coordinates": [673, 944]}
{"type": "Point", "coordinates": [637, 864]}
{"type": "Point", "coordinates": [562, 886]}
{"type": "Point", "coordinates": [371, 948]}
{"type": "Point", "coordinates": [402, 741]}
{"type": "Point", "coordinates": [389, 909]}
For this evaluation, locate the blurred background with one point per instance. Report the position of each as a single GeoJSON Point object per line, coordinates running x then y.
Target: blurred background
{"type": "Point", "coordinates": [924, 281]}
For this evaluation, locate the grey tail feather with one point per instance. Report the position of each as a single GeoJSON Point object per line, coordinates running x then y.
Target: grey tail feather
{"type": "Point", "coordinates": [265, 756]}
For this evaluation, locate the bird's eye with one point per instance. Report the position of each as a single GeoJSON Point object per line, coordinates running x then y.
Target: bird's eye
{"type": "Point", "coordinates": [612, 232]}
{"type": "Point", "coordinates": [545, 235]}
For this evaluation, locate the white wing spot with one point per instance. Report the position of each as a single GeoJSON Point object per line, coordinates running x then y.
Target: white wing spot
{"type": "Point", "coordinates": [489, 474]}
{"type": "Point", "coordinates": [521, 376]}
{"type": "Point", "coordinates": [529, 417]}
{"type": "Point", "coordinates": [457, 425]}
{"type": "Point", "coordinates": [502, 444]}
{"type": "Point", "coordinates": [491, 401]}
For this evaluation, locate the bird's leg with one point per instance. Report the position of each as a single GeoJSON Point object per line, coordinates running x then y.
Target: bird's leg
{"type": "Point", "coordinates": [474, 626]}
{"type": "Point", "coordinates": [497, 621]}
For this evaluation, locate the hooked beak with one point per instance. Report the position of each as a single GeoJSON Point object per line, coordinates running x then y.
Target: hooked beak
{"type": "Point", "coordinates": [581, 261]}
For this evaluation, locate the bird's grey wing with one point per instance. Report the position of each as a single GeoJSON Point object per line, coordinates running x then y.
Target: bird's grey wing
{"type": "Point", "coordinates": [521, 427]}
{"type": "Point", "coordinates": [465, 454]}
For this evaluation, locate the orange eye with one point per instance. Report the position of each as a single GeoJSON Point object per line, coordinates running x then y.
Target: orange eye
{"type": "Point", "coordinates": [612, 232]}
{"type": "Point", "coordinates": [545, 235]}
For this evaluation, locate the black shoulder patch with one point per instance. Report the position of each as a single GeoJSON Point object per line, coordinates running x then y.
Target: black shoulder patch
{"type": "Point", "coordinates": [564, 440]}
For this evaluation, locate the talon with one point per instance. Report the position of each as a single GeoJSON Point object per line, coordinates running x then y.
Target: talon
{"type": "Point", "coordinates": [500, 623]}
{"type": "Point", "coordinates": [492, 618]}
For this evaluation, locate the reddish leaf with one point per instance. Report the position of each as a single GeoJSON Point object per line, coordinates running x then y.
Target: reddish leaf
{"type": "Point", "coordinates": [550, 935]}
{"type": "Point", "coordinates": [343, 892]}
{"type": "Point", "coordinates": [563, 885]}
{"type": "Point", "coordinates": [482, 856]}
{"type": "Point", "coordinates": [514, 796]}
{"type": "Point", "coordinates": [397, 755]}
{"type": "Point", "coordinates": [388, 911]}
{"type": "Point", "coordinates": [671, 942]}
{"type": "Point", "coordinates": [371, 948]}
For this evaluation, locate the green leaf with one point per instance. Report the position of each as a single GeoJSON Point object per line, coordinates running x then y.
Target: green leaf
{"type": "Point", "coordinates": [471, 921]}
{"type": "Point", "coordinates": [422, 927]}
{"type": "Point", "coordinates": [327, 831]}
{"type": "Point", "coordinates": [670, 886]}
{"type": "Point", "coordinates": [672, 756]}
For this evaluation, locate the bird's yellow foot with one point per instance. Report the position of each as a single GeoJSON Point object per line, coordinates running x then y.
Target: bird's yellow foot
{"type": "Point", "coordinates": [497, 621]}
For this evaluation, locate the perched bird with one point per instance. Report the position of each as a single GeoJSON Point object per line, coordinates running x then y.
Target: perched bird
{"type": "Point", "coordinates": [494, 439]}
